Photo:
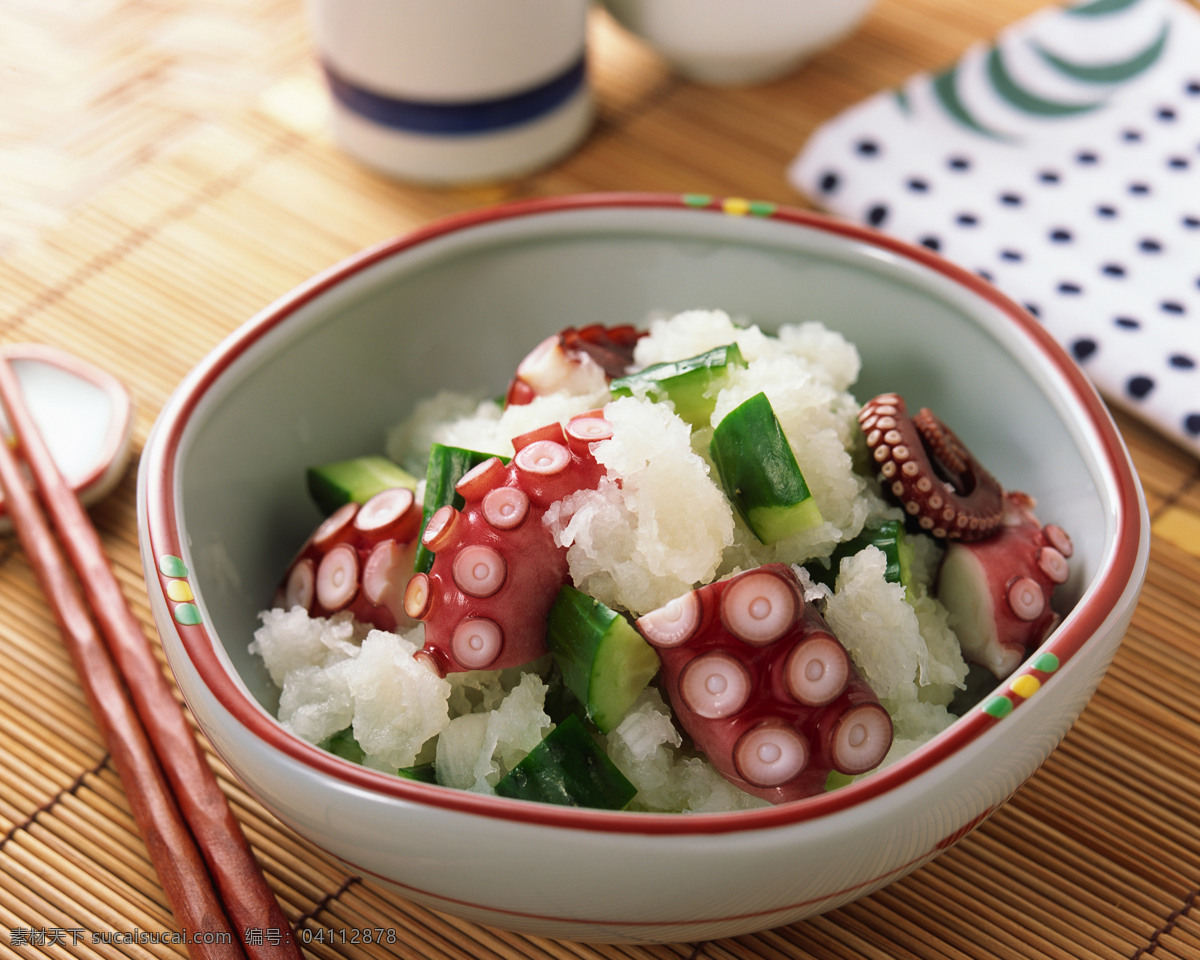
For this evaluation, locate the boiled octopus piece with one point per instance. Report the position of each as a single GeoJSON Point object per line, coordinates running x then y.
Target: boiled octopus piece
{"type": "Point", "coordinates": [763, 687]}
{"type": "Point", "coordinates": [496, 568]}
{"type": "Point", "coordinates": [574, 360]}
{"type": "Point", "coordinates": [999, 590]}
{"type": "Point", "coordinates": [358, 559]}
{"type": "Point", "coordinates": [926, 469]}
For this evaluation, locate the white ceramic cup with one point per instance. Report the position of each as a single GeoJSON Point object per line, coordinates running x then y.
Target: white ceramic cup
{"type": "Point", "coordinates": [455, 91]}
{"type": "Point", "coordinates": [730, 43]}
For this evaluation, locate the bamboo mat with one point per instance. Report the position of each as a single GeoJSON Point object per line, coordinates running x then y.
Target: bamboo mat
{"type": "Point", "coordinates": [165, 173]}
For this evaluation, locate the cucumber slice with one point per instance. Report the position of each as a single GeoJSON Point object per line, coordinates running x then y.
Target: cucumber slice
{"type": "Point", "coordinates": [889, 537]}
{"type": "Point", "coordinates": [604, 661]}
{"type": "Point", "coordinates": [979, 682]}
{"type": "Point", "coordinates": [343, 744]}
{"type": "Point", "coordinates": [357, 480]}
{"type": "Point", "coordinates": [837, 779]}
{"type": "Point", "coordinates": [568, 768]}
{"type": "Point", "coordinates": [691, 385]}
{"type": "Point", "coordinates": [560, 701]}
{"type": "Point", "coordinates": [447, 465]}
{"type": "Point", "coordinates": [759, 472]}
{"type": "Point", "coordinates": [424, 772]}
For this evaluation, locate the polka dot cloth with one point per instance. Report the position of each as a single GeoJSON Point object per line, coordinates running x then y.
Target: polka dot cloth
{"type": "Point", "coordinates": [1061, 162]}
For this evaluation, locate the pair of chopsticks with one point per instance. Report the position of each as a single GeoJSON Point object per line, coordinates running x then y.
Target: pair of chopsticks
{"type": "Point", "coordinates": [213, 883]}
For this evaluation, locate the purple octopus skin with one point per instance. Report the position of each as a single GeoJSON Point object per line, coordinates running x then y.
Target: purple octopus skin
{"type": "Point", "coordinates": [496, 567]}
{"type": "Point", "coordinates": [928, 471]}
{"type": "Point", "coordinates": [566, 357]}
{"type": "Point", "coordinates": [763, 687]}
{"type": "Point", "coordinates": [999, 590]}
{"type": "Point", "coordinates": [359, 559]}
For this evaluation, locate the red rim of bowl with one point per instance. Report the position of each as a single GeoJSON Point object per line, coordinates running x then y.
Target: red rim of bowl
{"type": "Point", "coordinates": [202, 649]}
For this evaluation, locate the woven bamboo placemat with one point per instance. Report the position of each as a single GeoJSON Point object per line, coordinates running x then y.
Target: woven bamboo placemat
{"type": "Point", "coordinates": [165, 173]}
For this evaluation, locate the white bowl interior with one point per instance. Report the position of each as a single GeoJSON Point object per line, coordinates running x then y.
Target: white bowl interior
{"type": "Point", "coordinates": [328, 373]}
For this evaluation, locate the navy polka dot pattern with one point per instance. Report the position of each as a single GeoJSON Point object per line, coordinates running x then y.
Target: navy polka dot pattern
{"type": "Point", "coordinates": [1089, 218]}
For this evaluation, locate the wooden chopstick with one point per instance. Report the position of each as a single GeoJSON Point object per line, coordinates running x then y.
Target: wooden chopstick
{"type": "Point", "coordinates": [168, 840]}
{"type": "Point", "coordinates": [203, 859]}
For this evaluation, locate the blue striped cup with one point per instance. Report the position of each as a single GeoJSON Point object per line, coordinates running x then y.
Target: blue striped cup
{"type": "Point", "coordinates": [455, 91]}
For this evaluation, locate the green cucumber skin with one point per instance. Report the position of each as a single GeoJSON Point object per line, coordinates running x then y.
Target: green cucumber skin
{"type": "Point", "coordinates": [561, 701]}
{"type": "Point", "coordinates": [342, 744]}
{"type": "Point", "coordinates": [604, 661]}
{"type": "Point", "coordinates": [759, 472]}
{"type": "Point", "coordinates": [691, 385]}
{"type": "Point", "coordinates": [573, 629]}
{"type": "Point", "coordinates": [568, 768]}
{"type": "Point", "coordinates": [356, 480]}
{"type": "Point", "coordinates": [447, 465]}
{"type": "Point", "coordinates": [889, 536]}
{"type": "Point", "coordinates": [421, 772]}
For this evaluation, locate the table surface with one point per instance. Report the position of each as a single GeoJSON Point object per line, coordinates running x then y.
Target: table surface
{"type": "Point", "coordinates": [166, 172]}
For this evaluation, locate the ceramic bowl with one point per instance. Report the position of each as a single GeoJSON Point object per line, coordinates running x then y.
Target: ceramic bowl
{"type": "Point", "coordinates": [725, 44]}
{"type": "Point", "coordinates": [323, 373]}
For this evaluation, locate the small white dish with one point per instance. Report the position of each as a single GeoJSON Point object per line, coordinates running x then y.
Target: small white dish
{"type": "Point", "coordinates": [722, 43]}
{"type": "Point", "coordinates": [84, 414]}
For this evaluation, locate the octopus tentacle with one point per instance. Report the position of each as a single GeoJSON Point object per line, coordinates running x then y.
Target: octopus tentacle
{"type": "Point", "coordinates": [358, 559]}
{"type": "Point", "coordinates": [496, 567]}
{"type": "Point", "coordinates": [999, 590]}
{"type": "Point", "coordinates": [763, 687]}
{"type": "Point", "coordinates": [930, 472]}
{"type": "Point", "coordinates": [575, 359]}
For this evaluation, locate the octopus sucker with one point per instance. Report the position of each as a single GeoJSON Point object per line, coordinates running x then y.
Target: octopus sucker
{"type": "Point", "coordinates": [543, 457]}
{"type": "Point", "coordinates": [854, 740]}
{"type": "Point", "coordinates": [1058, 539]}
{"type": "Point", "coordinates": [817, 670]}
{"type": "Point", "coordinates": [440, 528]}
{"type": "Point", "coordinates": [385, 572]}
{"type": "Point", "coordinates": [930, 471]}
{"type": "Point", "coordinates": [588, 428]}
{"type": "Point", "coordinates": [771, 754]}
{"type": "Point", "coordinates": [480, 478]}
{"type": "Point", "coordinates": [1025, 598]}
{"type": "Point", "coordinates": [417, 597]}
{"type": "Point", "coordinates": [300, 584]}
{"type": "Point", "coordinates": [759, 608]}
{"type": "Point", "coordinates": [715, 685]}
{"type": "Point", "coordinates": [388, 513]}
{"type": "Point", "coordinates": [505, 507]}
{"type": "Point", "coordinates": [759, 682]}
{"type": "Point", "coordinates": [673, 623]}
{"type": "Point", "coordinates": [476, 642]}
{"type": "Point", "coordinates": [330, 530]}
{"type": "Point", "coordinates": [479, 570]}
{"type": "Point", "coordinates": [1052, 562]}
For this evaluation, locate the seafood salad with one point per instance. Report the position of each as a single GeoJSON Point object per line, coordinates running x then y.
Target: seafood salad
{"type": "Point", "coordinates": [676, 568]}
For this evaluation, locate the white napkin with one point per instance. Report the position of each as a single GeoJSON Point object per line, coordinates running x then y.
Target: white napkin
{"type": "Point", "coordinates": [1061, 161]}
